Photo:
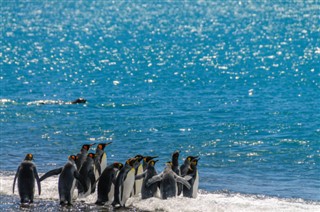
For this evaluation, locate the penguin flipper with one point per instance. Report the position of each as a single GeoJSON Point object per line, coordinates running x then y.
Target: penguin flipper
{"type": "Point", "coordinates": [51, 173]}
{"type": "Point", "coordinates": [183, 181]}
{"type": "Point", "coordinates": [37, 179]}
{"type": "Point", "coordinates": [188, 177]}
{"type": "Point", "coordinates": [77, 175]}
{"type": "Point", "coordinates": [140, 176]}
{"type": "Point", "coordinates": [154, 179]}
{"type": "Point", "coordinates": [15, 178]}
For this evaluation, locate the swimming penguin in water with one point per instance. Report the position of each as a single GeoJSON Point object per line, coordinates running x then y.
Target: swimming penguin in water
{"type": "Point", "coordinates": [67, 180]}
{"type": "Point", "coordinates": [194, 181]}
{"type": "Point", "coordinates": [168, 182]}
{"type": "Point", "coordinates": [87, 173]}
{"type": "Point", "coordinates": [79, 101]}
{"type": "Point", "coordinates": [124, 183]}
{"type": "Point", "coordinates": [148, 191]}
{"type": "Point", "coordinates": [100, 159]}
{"type": "Point", "coordinates": [106, 183]}
{"type": "Point", "coordinates": [82, 156]}
{"type": "Point", "coordinates": [27, 175]}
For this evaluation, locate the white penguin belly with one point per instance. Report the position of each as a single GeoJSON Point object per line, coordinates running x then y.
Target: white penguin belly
{"type": "Point", "coordinates": [127, 186]}
{"type": "Point", "coordinates": [103, 163]}
{"type": "Point", "coordinates": [74, 197]}
{"type": "Point", "coordinates": [138, 183]}
{"type": "Point", "coordinates": [111, 194]}
{"type": "Point", "coordinates": [195, 186]}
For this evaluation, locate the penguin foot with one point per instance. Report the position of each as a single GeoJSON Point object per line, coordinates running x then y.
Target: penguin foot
{"type": "Point", "coordinates": [25, 201]}
{"type": "Point", "coordinates": [63, 203]}
{"type": "Point", "coordinates": [116, 205]}
{"type": "Point", "coordinates": [100, 203]}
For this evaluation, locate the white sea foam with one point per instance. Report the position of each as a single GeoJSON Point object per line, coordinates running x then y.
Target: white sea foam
{"type": "Point", "coordinates": [205, 201]}
{"type": "Point", "coordinates": [47, 102]}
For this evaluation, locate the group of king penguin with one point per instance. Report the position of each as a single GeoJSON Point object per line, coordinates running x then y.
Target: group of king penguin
{"type": "Point", "coordinates": [114, 183]}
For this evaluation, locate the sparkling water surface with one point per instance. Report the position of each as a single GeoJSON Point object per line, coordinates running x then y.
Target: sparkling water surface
{"type": "Point", "coordinates": [235, 82]}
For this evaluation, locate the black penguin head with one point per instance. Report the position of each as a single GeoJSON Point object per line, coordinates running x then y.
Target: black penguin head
{"type": "Point", "coordinates": [118, 165]}
{"type": "Point", "coordinates": [79, 101]}
{"type": "Point", "coordinates": [169, 163]}
{"type": "Point", "coordinates": [175, 155]}
{"type": "Point", "coordinates": [29, 157]}
{"type": "Point", "coordinates": [87, 146]}
{"type": "Point", "coordinates": [73, 157]}
{"type": "Point", "coordinates": [194, 162]}
{"type": "Point", "coordinates": [91, 155]}
{"type": "Point", "coordinates": [148, 158]}
{"type": "Point", "coordinates": [152, 162]}
{"type": "Point", "coordinates": [190, 158]}
{"type": "Point", "coordinates": [101, 146]}
{"type": "Point", "coordinates": [131, 161]}
{"type": "Point", "coordinates": [139, 157]}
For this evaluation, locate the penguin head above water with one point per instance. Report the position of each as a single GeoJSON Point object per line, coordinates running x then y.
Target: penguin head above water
{"type": "Point", "coordinates": [79, 101]}
{"type": "Point", "coordinates": [29, 157]}
{"type": "Point", "coordinates": [101, 146]}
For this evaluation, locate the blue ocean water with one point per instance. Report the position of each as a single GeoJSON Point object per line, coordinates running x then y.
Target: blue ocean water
{"type": "Point", "coordinates": [235, 82]}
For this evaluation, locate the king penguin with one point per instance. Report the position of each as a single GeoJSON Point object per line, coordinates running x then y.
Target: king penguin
{"type": "Point", "coordinates": [67, 180]}
{"type": "Point", "coordinates": [175, 167]}
{"type": "Point", "coordinates": [27, 175]}
{"type": "Point", "coordinates": [82, 156]}
{"type": "Point", "coordinates": [148, 191]}
{"type": "Point", "coordinates": [87, 173]}
{"type": "Point", "coordinates": [124, 183]}
{"type": "Point", "coordinates": [146, 160]}
{"type": "Point", "coordinates": [138, 170]}
{"type": "Point", "coordinates": [168, 182]}
{"type": "Point", "coordinates": [106, 183]}
{"type": "Point", "coordinates": [185, 167]}
{"type": "Point", "coordinates": [100, 159]}
{"type": "Point", "coordinates": [194, 181]}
